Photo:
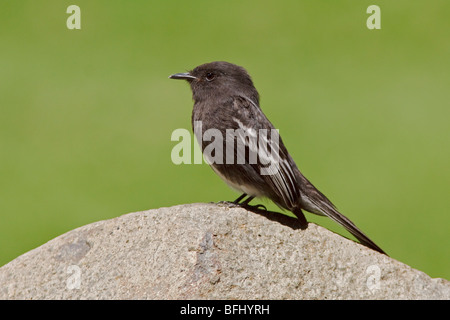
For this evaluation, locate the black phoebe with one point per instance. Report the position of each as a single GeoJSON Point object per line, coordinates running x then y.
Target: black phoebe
{"type": "Point", "coordinates": [226, 101]}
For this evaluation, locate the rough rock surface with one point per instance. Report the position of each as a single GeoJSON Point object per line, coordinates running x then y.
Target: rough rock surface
{"type": "Point", "coordinates": [209, 251]}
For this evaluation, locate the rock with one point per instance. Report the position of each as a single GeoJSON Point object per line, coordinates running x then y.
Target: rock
{"type": "Point", "coordinates": [210, 251]}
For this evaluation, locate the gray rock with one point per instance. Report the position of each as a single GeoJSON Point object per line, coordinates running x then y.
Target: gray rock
{"type": "Point", "coordinates": [210, 251]}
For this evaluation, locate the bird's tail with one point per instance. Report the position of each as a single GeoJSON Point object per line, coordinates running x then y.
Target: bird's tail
{"type": "Point", "coordinates": [330, 211]}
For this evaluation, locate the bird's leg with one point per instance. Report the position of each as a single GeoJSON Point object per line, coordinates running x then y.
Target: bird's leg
{"type": "Point", "coordinates": [235, 203]}
{"type": "Point", "coordinates": [240, 198]}
{"type": "Point", "coordinates": [245, 204]}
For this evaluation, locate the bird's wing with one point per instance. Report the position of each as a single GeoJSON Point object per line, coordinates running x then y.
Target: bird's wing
{"type": "Point", "coordinates": [282, 175]}
{"type": "Point", "coordinates": [262, 141]}
{"type": "Point", "coordinates": [292, 189]}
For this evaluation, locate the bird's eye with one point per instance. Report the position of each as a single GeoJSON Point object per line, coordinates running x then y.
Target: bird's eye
{"type": "Point", "coordinates": [210, 76]}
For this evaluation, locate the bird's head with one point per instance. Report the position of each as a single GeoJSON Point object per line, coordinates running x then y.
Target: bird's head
{"type": "Point", "coordinates": [219, 78]}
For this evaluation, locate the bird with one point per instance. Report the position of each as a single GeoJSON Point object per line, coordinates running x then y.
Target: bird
{"type": "Point", "coordinates": [226, 103]}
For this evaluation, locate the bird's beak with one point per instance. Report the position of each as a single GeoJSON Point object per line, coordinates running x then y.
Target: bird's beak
{"type": "Point", "coordinates": [182, 76]}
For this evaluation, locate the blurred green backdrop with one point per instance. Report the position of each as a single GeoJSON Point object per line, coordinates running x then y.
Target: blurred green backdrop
{"type": "Point", "coordinates": [86, 115]}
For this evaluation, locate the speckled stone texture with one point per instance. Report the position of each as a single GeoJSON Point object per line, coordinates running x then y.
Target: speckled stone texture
{"type": "Point", "coordinates": [210, 251]}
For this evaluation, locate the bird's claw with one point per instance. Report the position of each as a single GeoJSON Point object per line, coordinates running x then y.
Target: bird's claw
{"type": "Point", "coordinates": [255, 207]}
{"type": "Point", "coordinates": [228, 204]}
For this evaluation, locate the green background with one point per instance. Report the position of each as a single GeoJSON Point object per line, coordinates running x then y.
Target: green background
{"type": "Point", "coordinates": [86, 115]}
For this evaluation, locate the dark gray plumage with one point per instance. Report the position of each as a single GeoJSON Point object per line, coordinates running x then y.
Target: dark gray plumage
{"type": "Point", "coordinates": [225, 98]}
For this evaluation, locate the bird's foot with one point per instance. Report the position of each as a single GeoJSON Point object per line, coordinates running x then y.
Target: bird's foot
{"type": "Point", "coordinates": [244, 204]}
{"type": "Point", "coordinates": [228, 204]}
{"type": "Point", "coordinates": [259, 207]}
